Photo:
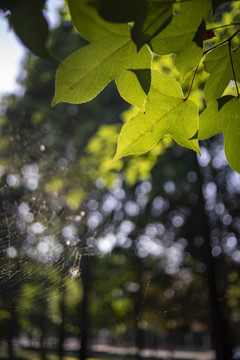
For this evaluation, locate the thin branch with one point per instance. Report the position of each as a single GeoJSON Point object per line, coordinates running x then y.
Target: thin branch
{"type": "Point", "coordinates": [208, 50]}
{"type": "Point", "coordinates": [221, 43]}
{"type": "Point", "coordinates": [233, 70]}
{"type": "Point", "coordinates": [222, 26]}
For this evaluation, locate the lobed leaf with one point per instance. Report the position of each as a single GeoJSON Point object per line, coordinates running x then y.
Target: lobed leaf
{"type": "Point", "coordinates": [184, 35]}
{"type": "Point", "coordinates": [85, 73]}
{"type": "Point", "coordinates": [188, 59]}
{"type": "Point", "coordinates": [223, 116]}
{"type": "Point", "coordinates": [89, 23]}
{"type": "Point", "coordinates": [218, 64]}
{"type": "Point", "coordinates": [166, 113]}
{"type": "Point", "coordinates": [156, 17]}
{"type": "Point", "coordinates": [149, 17]}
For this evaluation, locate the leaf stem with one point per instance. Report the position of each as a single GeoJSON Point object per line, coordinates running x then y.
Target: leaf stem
{"type": "Point", "coordinates": [190, 87]}
{"type": "Point", "coordinates": [233, 70]}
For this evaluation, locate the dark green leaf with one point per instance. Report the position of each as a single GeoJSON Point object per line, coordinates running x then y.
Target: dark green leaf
{"type": "Point", "coordinates": [6, 4]}
{"type": "Point", "coordinates": [29, 24]}
{"type": "Point", "coordinates": [150, 17]}
{"type": "Point", "coordinates": [199, 36]}
{"type": "Point", "coordinates": [89, 23]}
{"type": "Point", "coordinates": [223, 100]}
{"type": "Point", "coordinates": [157, 17]}
{"type": "Point", "coordinates": [120, 11]}
{"type": "Point", "coordinates": [144, 78]}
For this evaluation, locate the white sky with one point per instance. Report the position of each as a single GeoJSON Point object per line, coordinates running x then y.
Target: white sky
{"type": "Point", "coordinates": [12, 50]}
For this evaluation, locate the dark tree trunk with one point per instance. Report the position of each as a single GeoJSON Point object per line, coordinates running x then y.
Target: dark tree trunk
{"type": "Point", "coordinates": [139, 297]}
{"type": "Point", "coordinates": [84, 318]}
{"type": "Point", "coordinates": [10, 342]}
{"type": "Point", "coordinates": [42, 339]}
{"type": "Point", "coordinates": [13, 323]}
{"type": "Point", "coordinates": [221, 337]}
{"type": "Point", "coordinates": [139, 342]}
{"type": "Point", "coordinates": [61, 327]}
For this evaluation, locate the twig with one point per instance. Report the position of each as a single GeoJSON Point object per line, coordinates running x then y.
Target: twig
{"type": "Point", "coordinates": [221, 43]}
{"type": "Point", "coordinates": [228, 41]}
{"type": "Point", "coordinates": [222, 26]}
{"type": "Point", "coordinates": [233, 70]}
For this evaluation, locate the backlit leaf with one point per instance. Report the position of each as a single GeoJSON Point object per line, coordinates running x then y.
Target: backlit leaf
{"type": "Point", "coordinates": [193, 55]}
{"type": "Point", "coordinates": [218, 64]}
{"type": "Point", "coordinates": [149, 17]}
{"type": "Point", "coordinates": [111, 55]}
{"type": "Point", "coordinates": [152, 22]}
{"type": "Point", "coordinates": [225, 118]}
{"type": "Point", "coordinates": [85, 73]}
{"type": "Point", "coordinates": [183, 35]}
{"type": "Point", "coordinates": [88, 22]}
{"type": "Point", "coordinates": [166, 113]}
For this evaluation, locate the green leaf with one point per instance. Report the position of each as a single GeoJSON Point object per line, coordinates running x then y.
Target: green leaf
{"type": "Point", "coordinates": [166, 112]}
{"type": "Point", "coordinates": [183, 35]}
{"type": "Point", "coordinates": [29, 24]}
{"type": "Point", "coordinates": [218, 64]}
{"type": "Point", "coordinates": [112, 55]}
{"type": "Point", "coordinates": [134, 85]}
{"type": "Point", "coordinates": [152, 22]}
{"type": "Point", "coordinates": [85, 73]}
{"type": "Point", "coordinates": [89, 23]}
{"type": "Point", "coordinates": [199, 36]}
{"type": "Point", "coordinates": [225, 118]}
{"type": "Point", "coordinates": [193, 55]}
{"type": "Point", "coordinates": [150, 17]}
{"type": "Point", "coordinates": [120, 11]}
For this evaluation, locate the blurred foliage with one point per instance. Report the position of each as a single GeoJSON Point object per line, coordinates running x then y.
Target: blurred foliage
{"type": "Point", "coordinates": [160, 215]}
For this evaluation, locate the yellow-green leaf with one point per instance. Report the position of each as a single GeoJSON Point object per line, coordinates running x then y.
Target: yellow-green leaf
{"type": "Point", "coordinates": [84, 74]}
{"type": "Point", "coordinates": [224, 118]}
{"type": "Point", "coordinates": [218, 64]}
{"type": "Point", "coordinates": [184, 35]}
{"type": "Point", "coordinates": [88, 22]}
{"type": "Point", "coordinates": [166, 113]}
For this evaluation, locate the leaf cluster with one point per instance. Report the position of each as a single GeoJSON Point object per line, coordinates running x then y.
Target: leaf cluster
{"type": "Point", "coordinates": [124, 39]}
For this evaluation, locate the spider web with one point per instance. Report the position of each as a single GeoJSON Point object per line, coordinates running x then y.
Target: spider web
{"type": "Point", "coordinates": [42, 239]}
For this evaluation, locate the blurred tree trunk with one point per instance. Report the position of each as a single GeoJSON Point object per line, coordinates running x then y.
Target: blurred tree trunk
{"type": "Point", "coordinates": [84, 318]}
{"type": "Point", "coordinates": [62, 312]}
{"type": "Point", "coordinates": [139, 298]}
{"type": "Point", "coordinates": [12, 329]}
{"type": "Point", "coordinates": [10, 336]}
{"type": "Point", "coordinates": [42, 338]}
{"type": "Point", "coordinates": [221, 337]}
{"type": "Point", "coordinates": [139, 342]}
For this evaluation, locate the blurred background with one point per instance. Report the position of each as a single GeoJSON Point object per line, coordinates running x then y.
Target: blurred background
{"type": "Point", "coordinates": [137, 258]}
